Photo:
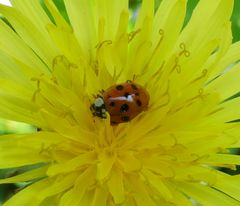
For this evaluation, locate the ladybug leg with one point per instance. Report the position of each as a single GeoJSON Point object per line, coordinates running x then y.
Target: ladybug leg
{"type": "Point", "coordinates": [101, 91]}
{"type": "Point", "coordinates": [133, 79]}
{"type": "Point", "coordinates": [95, 96]}
{"type": "Point", "coordinates": [99, 96]}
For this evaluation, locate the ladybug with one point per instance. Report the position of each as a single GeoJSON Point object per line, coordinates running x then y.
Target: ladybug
{"type": "Point", "coordinates": [123, 102]}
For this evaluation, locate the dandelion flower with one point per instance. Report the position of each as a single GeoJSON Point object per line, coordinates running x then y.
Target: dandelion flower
{"type": "Point", "coordinates": [168, 155]}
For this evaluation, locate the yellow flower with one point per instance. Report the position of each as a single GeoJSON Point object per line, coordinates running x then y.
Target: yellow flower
{"type": "Point", "coordinates": [167, 155]}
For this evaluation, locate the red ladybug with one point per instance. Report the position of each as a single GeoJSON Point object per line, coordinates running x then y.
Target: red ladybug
{"type": "Point", "coordinates": [123, 102]}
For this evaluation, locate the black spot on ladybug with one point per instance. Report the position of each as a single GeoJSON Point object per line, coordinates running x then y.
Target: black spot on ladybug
{"type": "Point", "coordinates": [134, 86]}
{"type": "Point", "coordinates": [124, 108]}
{"type": "Point", "coordinates": [126, 94]}
{"type": "Point", "coordinates": [112, 104]}
{"type": "Point", "coordinates": [125, 118]}
{"type": "Point", "coordinates": [137, 94]}
{"type": "Point", "coordinates": [139, 103]}
{"type": "Point", "coordinates": [119, 87]}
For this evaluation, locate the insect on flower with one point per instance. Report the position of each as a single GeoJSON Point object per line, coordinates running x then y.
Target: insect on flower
{"type": "Point", "coordinates": [123, 102]}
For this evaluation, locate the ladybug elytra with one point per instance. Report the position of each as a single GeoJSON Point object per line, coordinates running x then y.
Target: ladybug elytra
{"type": "Point", "coordinates": [123, 102]}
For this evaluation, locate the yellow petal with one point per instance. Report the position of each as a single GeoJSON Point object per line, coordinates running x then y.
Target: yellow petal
{"type": "Point", "coordinates": [180, 199]}
{"type": "Point", "coordinates": [221, 160]}
{"type": "Point", "coordinates": [129, 162]}
{"type": "Point", "coordinates": [58, 185]}
{"type": "Point", "coordinates": [26, 176]}
{"type": "Point", "coordinates": [224, 112]}
{"type": "Point", "coordinates": [116, 187]}
{"type": "Point", "coordinates": [229, 185]}
{"type": "Point", "coordinates": [82, 15]}
{"type": "Point", "coordinates": [19, 157]}
{"type": "Point", "coordinates": [34, 12]}
{"type": "Point", "coordinates": [206, 195]}
{"type": "Point", "coordinates": [216, 63]}
{"type": "Point", "coordinates": [65, 128]}
{"type": "Point", "coordinates": [227, 60]}
{"type": "Point", "coordinates": [105, 164]}
{"type": "Point", "coordinates": [168, 22]}
{"type": "Point", "coordinates": [27, 195]}
{"type": "Point", "coordinates": [13, 45]}
{"type": "Point", "coordinates": [109, 11]}
{"type": "Point", "coordinates": [160, 166]}
{"type": "Point", "coordinates": [59, 20]}
{"type": "Point", "coordinates": [100, 197]}
{"type": "Point", "coordinates": [140, 193]}
{"type": "Point", "coordinates": [196, 173]}
{"type": "Point", "coordinates": [19, 150]}
{"type": "Point", "coordinates": [15, 99]}
{"type": "Point", "coordinates": [146, 11]}
{"type": "Point", "coordinates": [230, 77]}
{"type": "Point", "coordinates": [74, 197]}
{"type": "Point", "coordinates": [11, 70]}
{"type": "Point", "coordinates": [30, 34]}
{"type": "Point", "coordinates": [215, 13]}
{"type": "Point", "coordinates": [189, 112]}
{"type": "Point", "coordinates": [72, 50]}
{"type": "Point", "coordinates": [157, 182]}
{"type": "Point", "coordinates": [72, 164]}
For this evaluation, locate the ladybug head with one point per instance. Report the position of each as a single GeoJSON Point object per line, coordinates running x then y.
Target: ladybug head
{"type": "Point", "coordinates": [98, 108]}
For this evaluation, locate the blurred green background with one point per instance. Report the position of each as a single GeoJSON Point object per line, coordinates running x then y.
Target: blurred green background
{"type": "Point", "coordinates": [8, 127]}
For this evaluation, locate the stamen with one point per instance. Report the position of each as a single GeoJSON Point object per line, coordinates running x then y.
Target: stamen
{"type": "Point", "coordinates": [101, 44]}
{"type": "Point", "coordinates": [204, 73]}
{"type": "Point", "coordinates": [35, 95]}
{"type": "Point", "coordinates": [178, 69]}
{"type": "Point", "coordinates": [189, 102]}
{"type": "Point", "coordinates": [54, 80]}
{"type": "Point", "coordinates": [159, 72]}
{"type": "Point", "coordinates": [134, 78]}
{"type": "Point", "coordinates": [165, 94]}
{"type": "Point", "coordinates": [175, 139]}
{"type": "Point", "coordinates": [155, 77]}
{"type": "Point", "coordinates": [67, 112]}
{"type": "Point", "coordinates": [47, 150]}
{"type": "Point", "coordinates": [161, 33]}
{"type": "Point", "coordinates": [95, 66]}
{"type": "Point", "coordinates": [164, 104]}
{"type": "Point", "coordinates": [38, 88]}
{"type": "Point", "coordinates": [116, 75]}
{"type": "Point", "coordinates": [184, 51]}
{"type": "Point", "coordinates": [176, 66]}
{"type": "Point", "coordinates": [56, 60]}
{"type": "Point", "coordinates": [132, 34]}
{"type": "Point", "coordinates": [61, 59]}
{"type": "Point", "coordinates": [215, 111]}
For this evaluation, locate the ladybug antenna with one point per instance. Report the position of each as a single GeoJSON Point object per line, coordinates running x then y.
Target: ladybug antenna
{"type": "Point", "coordinates": [134, 77]}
